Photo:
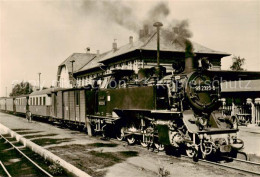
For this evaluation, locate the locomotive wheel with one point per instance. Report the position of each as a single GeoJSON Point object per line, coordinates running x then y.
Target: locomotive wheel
{"type": "Point", "coordinates": [147, 139]}
{"type": "Point", "coordinates": [121, 134]}
{"type": "Point", "coordinates": [131, 139]}
{"type": "Point", "coordinates": [206, 148]}
{"type": "Point", "coordinates": [159, 147]}
{"type": "Point", "coordinates": [191, 151]}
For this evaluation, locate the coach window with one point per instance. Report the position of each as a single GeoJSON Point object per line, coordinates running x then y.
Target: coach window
{"type": "Point", "coordinates": [30, 101]}
{"type": "Point", "coordinates": [36, 101]}
{"type": "Point", "coordinates": [40, 101]}
{"type": "Point", "coordinates": [44, 100]}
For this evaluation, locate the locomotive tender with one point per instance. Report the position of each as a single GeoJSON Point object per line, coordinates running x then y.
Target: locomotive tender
{"type": "Point", "coordinates": [177, 110]}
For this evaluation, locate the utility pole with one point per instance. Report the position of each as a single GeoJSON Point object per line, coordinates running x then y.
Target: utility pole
{"type": "Point", "coordinates": [39, 81]}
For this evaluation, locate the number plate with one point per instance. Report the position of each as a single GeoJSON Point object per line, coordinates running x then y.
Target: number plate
{"type": "Point", "coordinates": [204, 88]}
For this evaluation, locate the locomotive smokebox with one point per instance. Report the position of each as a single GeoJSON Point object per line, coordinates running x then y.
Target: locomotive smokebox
{"type": "Point", "coordinates": [189, 58]}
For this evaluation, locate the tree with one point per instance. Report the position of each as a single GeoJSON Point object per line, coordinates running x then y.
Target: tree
{"type": "Point", "coordinates": [22, 88]}
{"type": "Point", "coordinates": [237, 64]}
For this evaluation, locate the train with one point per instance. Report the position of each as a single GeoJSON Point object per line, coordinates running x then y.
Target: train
{"type": "Point", "coordinates": [176, 112]}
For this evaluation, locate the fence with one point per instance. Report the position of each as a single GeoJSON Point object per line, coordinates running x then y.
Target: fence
{"type": "Point", "coordinates": [249, 112]}
{"type": "Point", "coordinates": [257, 113]}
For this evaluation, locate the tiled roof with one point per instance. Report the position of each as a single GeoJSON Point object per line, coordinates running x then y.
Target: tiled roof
{"type": "Point", "coordinates": [88, 61]}
{"type": "Point", "coordinates": [81, 59]}
{"type": "Point", "coordinates": [150, 43]}
{"type": "Point", "coordinates": [241, 86]}
{"type": "Point", "coordinates": [94, 62]}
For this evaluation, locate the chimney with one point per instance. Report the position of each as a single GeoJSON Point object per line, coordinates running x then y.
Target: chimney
{"type": "Point", "coordinates": [114, 45]}
{"type": "Point", "coordinates": [176, 30]}
{"type": "Point", "coordinates": [98, 53]}
{"type": "Point", "coordinates": [141, 33]}
{"type": "Point", "coordinates": [87, 49]}
{"type": "Point", "coordinates": [146, 30]}
{"type": "Point", "coordinates": [131, 40]}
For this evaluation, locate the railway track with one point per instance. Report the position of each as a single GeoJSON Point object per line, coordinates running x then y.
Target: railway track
{"type": "Point", "coordinates": [14, 162]}
{"type": "Point", "coordinates": [238, 165]}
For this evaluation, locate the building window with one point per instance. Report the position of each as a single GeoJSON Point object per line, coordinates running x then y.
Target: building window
{"type": "Point", "coordinates": [40, 101]}
{"type": "Point", "coordinates": [44, 100]}
{"type": "Point", "coordinates": [30, 101]}
{"type": "Point", "coordinates": [36, 101]}
{"type": "Point", "coordinates": [33, 100]}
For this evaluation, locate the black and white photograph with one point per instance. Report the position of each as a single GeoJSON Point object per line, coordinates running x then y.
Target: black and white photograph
{"type": "Point", "coordinates": [129, 88]}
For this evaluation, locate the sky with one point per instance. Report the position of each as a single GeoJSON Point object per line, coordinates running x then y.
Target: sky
{"type": "Point", "coordinates": [37, 35]}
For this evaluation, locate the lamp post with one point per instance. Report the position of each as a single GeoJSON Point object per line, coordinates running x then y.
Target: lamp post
{"type": "Point", "coordinates": [39, 81]}
{"type": "Point", "coordinates": [158, 25]}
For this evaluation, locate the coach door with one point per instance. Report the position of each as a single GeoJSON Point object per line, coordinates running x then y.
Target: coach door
{"type": "Point", "coordinates": [54, 104]}
{"type": "Point", "coordinates": [66, 105]}
{"type": "Point", "coordinates": [77, 105]}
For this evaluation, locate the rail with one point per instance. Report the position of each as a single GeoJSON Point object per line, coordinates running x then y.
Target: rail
{"type": "Point", "coordinates": [24, 155]}
{"type": "Point", "coordinates": [230, 167]}
{"type": "Point", "coordinates": [5, 170]}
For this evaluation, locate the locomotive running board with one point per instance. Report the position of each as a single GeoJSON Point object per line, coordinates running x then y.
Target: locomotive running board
{"type": "Point", "coordinates": [187, 116]}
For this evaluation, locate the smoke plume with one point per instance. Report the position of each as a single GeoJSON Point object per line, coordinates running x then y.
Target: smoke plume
{"type": "Point", "coordinates": [124, 14]}
{"type": "Point", "coordinates": [116, 12]}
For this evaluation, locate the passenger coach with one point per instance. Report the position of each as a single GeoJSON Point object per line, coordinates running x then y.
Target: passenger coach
{"type": "Point", "coordinates": [40, 103]}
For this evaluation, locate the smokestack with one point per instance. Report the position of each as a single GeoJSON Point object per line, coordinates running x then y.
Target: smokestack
{"type": "Point", "coordinates": [189, 58]}
{"type": "Point", "coordinates": [146, 30]}
{"type": "Point", "coordinates": [131, 40]}
{"type": "Point", "coordinates": [141, 33]}
{"type": "Point", "coordinates": [114, 45]}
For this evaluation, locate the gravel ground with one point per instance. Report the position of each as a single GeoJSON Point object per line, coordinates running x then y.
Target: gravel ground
{"type": "Point", "coordinates": [112, 158]}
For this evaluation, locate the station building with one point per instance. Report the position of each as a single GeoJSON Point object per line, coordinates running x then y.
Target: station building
{"type": "Point", "coordinates": [133, 56]}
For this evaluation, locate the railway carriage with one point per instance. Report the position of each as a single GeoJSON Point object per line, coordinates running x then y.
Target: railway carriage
{"type": "Point", "coordinates": [40, 103]}
{"type": "Point", "coordinates": [69, 106]}
{"type": "Point", "coordinates": [3, 104]}
{"type": "Point", "coordinates": [21, 104]}
{"type": "Point", "coordinates": [10, 105]}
